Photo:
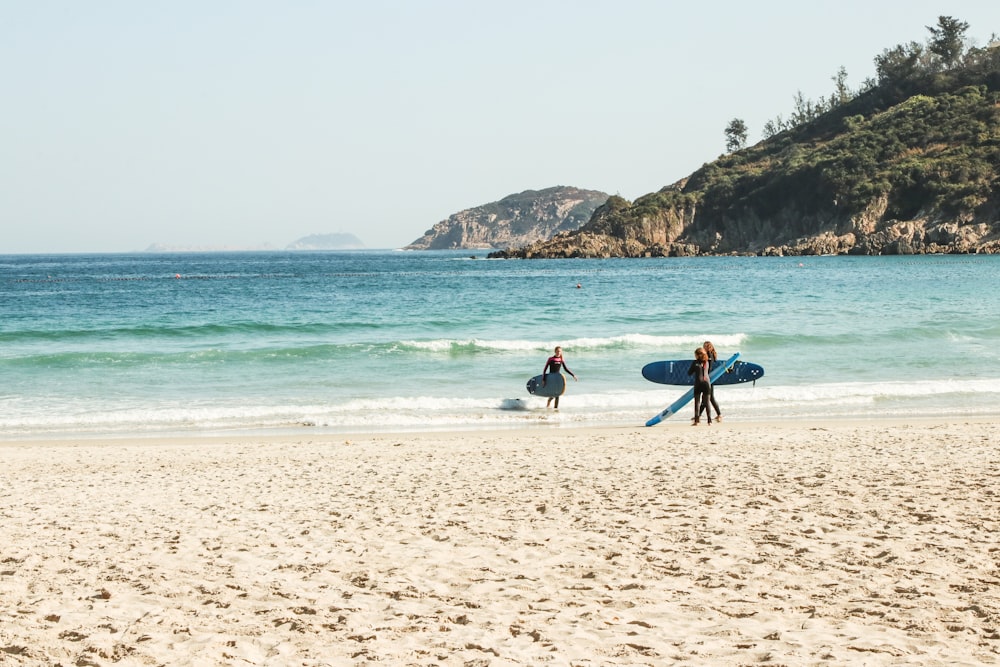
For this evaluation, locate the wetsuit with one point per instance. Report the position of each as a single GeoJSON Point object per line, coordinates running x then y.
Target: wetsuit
{"type": "Point", "coordinates": [711, 392]}
{"type": "Point", "coordinates": [555, 364]}
{"type": "Point", "coordinates": [702, 387]}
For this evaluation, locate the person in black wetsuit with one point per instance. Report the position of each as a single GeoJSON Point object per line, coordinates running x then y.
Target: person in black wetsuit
{"type": "Point", "coordinates": [555, 364]}
{"type": "Point", "coordinates": [702, 386]}
{"type": "Point", "coordinates": [713, 356]}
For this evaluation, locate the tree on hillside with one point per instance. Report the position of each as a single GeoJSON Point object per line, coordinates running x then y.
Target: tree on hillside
{"type": "Point", "coordinates": [948, 40]}
{"type": "Point", "coordinates": [841, 93]}
{"type": "Point", "coordinates": [899, 63]}
{"type": "Point", "coordinates": [736, 135]}
{"type": "Point", "coordinates": [806, 110]}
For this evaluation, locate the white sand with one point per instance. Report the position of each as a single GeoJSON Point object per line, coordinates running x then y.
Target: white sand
{"type": "Point", "coordinates": [740, 544]}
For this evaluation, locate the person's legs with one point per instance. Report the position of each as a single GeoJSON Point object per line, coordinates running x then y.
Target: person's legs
{"type": "Point", "coordinates": [711, 396]}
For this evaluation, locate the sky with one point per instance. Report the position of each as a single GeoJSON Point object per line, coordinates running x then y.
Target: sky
{"type": "Point", "coordinates": [252, 123]}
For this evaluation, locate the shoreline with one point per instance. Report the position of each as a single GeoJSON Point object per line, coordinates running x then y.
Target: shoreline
{"type": "Point", "coordinates": [743, 543]}
{"type": "Point", "coordinates": [514, 430]}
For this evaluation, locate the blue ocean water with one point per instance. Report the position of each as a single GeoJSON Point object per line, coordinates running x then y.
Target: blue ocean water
{"type": "Point", "coordinates": [389, 340]}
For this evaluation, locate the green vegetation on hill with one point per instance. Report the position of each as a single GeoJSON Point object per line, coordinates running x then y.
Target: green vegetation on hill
{"type": "Point", "coordinates": [908, 165]}
{"type": "Point", "coordinates": [931, 155]}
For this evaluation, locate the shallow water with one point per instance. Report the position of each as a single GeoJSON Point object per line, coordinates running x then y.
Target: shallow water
{"type": "Point", "coordinates": [369, 340]}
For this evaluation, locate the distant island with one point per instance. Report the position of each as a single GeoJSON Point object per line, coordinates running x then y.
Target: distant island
{"type": "Point", "coordinates": [338, 241]}
{"type": "Point", "coordinates": [910, 164]}
{"type": "Point", "coordinates": [517, 219]}
{"type": "Point", "coordinates": [165, 248]}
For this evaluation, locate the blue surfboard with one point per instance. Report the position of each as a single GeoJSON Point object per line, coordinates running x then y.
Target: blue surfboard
{"type": "Point", "coordinates": [676, 372]}
{"type": "Point", "coordinates": [554, 385]}
{"type": "Point", "coordinates": [713, 376]}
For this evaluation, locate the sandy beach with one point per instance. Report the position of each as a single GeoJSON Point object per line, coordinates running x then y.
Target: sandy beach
{"type": "Point", "coordinates": [863, 543]}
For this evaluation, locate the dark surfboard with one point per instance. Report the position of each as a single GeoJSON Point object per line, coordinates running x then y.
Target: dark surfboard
{"type": "Point", "coordinates": [676, 372]}
{"type": "Point", "coordinates": [555, 385]}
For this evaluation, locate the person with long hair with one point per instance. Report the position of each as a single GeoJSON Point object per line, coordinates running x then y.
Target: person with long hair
{"type": "Point", "coordinates": [702, 386]}
{"type": "Point", "coordinates": [712, 358]}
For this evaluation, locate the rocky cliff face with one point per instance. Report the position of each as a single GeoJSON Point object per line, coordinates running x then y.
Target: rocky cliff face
{"type": "Point", "coordinates": [518, 219]}
{"type": "Point", "coordinates": [673, 233]}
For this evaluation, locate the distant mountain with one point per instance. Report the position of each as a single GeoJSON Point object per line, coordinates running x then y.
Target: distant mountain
{"type": "Point", "coordinates": [338, 241]}
{"type": "Point", "coordinates": [517, 219]}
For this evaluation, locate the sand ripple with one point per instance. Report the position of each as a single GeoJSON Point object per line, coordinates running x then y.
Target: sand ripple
{"type": "Point", "coordinates": [865, 544]}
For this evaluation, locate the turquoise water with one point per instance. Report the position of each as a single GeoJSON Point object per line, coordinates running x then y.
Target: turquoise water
{"type": "Point", "coordinates": [384, 340]}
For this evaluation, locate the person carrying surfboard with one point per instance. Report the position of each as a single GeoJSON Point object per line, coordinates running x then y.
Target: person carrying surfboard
{"type": "Point", "coordinates": [555, 364]}
{"type": "Point", "coordinates": [713, 356]}
{"type": "Point", "coordinates": [702, 384]}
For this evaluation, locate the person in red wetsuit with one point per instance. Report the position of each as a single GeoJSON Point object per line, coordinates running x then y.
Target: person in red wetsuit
{"type": "Point", "coordinates": [555, 364]}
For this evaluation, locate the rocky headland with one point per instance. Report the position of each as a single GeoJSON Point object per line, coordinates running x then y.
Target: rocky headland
{"type": "Point", "coordinates": [517, 219]}
{"type": "Point", "coordinates": [910, 165]}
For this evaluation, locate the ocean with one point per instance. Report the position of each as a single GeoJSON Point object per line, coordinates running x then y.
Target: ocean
{"type": "Point", "coordinates": [367, 341]}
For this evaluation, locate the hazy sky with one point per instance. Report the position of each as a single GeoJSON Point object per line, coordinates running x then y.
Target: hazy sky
{"type": "Point", "coordinates": [243, 122]}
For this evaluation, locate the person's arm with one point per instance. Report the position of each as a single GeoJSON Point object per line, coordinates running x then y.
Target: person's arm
{"type": "Point", "coordinates": [568, 370]}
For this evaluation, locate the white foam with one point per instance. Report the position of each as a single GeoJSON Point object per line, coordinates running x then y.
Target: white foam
{"type": "Point", "coordinates": [763, 401]}
{"type": "Point", "coordinates": [630, 341]}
